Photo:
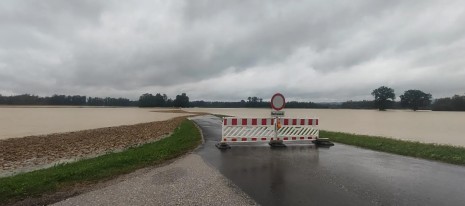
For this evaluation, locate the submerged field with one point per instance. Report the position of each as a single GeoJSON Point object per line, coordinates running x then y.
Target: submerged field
{"type": "Point", "coordinates": [423, 126]}
{"type": "Point", "coordinates": [18, 121]}
{"type": "Point", "coordinates": [34, 151]}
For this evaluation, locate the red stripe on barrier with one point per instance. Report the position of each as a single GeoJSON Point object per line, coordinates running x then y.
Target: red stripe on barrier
{"type": "Point", "coordinates": [263, 138]}
{"type": "Point", "coordinates": [244, 121]}
{"type": "Point", "coordinates": [263, 121]}
{"type": "Point", "coordinates": [310, 122]}
{"type": "Point", "coordinates": [278, 138]}
{"type": "Point", "coordinates": [233, 121]}
{"type": "Point", "coordinates": [309, 137]}
{"type": "Point", "coordinates": [286, 121]}
{"type": "Point", "coordinates": [244, 139]}
{"type": "Point", "coordinates": [285, 138]}
{"type": "Point", "coordinates": [233, 139]}
{"type": "Point", "coordinates": [225, 121]}
{"type": "Point", "coordinates": [272, 138]}
{"type": "Point", "coordinates": [294, 138]}
{"type": "Point", "coordinates": [254, 121]}
{"type": "Point", "coordinates": [316, 122]}
{"type": "Point", "coordinates": [254, 139]}
{"type": "Point", "coordinates": [302, 137]}
{"type": "Point", "coordinates": [272, 121]}
{"type": "Point", "coordinates": [294, 121]}
{"type": "Point", "coordinates": [224, 139]}
{"type": "Point", "coordinates": [302, 122]}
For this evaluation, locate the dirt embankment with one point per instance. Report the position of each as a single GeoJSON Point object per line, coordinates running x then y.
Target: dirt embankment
{"type": "Point", "coordinates": [28, 153]}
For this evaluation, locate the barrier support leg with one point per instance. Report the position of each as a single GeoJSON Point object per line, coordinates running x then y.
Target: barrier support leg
{"type": "Point", "coordinates": [222, 146]}
{"type": "Point", "coordinates": [323, 142]}
{"type": "Point", "coordinates": [276, 143]}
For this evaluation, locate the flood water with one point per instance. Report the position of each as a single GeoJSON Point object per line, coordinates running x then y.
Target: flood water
{"type": "Point", "coordinates": [26, 121]}
{"type": "Point", "coordinates": [423, 126]}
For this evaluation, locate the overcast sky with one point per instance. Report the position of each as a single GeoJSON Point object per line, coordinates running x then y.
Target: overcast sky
{"type": "Point", "coordinates": [228, 50]}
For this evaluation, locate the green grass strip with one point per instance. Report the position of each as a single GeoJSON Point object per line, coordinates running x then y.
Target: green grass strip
{"type": "Point", "coordinates": [443, 153]}
{"type": "Point", "coordinates": [221, 115]}
{"type": "Point", "coordinates": [185, 138]}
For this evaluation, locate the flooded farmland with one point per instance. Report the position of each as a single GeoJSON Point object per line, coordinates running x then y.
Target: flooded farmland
{"type": "Point", "coordinates": [26, 121]}
{"type": "Point", "coordinates": [423, 126]}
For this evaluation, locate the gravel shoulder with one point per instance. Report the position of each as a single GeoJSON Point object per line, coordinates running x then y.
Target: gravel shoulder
{"type": "Point", "coordinates": [187, 181]}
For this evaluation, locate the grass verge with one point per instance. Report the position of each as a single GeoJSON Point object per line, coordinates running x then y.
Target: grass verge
{"type": "Point", "coordinates": [443, 153]}
{"type": "Point", "coordinates": [221, 115]}
{"type": "Point", "coordinates": [185, 138]}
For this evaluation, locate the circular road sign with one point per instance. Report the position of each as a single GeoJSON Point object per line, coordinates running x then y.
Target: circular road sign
{"type": "Point", "coordinates": [278, 101]}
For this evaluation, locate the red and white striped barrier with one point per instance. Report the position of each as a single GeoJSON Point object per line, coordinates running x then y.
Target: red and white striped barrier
{"type": "Point", "coordinates": [268, 129]}
{"type": "Point", "coordinates": [232, 121]}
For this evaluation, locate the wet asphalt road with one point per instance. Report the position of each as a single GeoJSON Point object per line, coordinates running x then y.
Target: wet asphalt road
{"type": "Point", "coordinates": [341, 175]}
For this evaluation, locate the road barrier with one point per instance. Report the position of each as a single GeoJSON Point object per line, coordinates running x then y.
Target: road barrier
{"type": "Point", "coordinates": [247, 129]}
{"type": "Point", "coordinates": [268, 129]}
{"type": "Point", "coordinates": [275, 130]}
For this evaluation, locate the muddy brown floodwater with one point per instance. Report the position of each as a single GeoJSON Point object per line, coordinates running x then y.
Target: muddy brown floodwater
{"type": "Point", "coordinates": [423, 126]}
{"type": "Point", "coordinates": [57, 135]}
{"type": "Point", "coordinates": [26, 121]}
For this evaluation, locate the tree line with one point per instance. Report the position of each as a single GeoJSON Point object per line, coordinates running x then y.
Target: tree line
{"type": "Point", "coordinates": [68, 100]}
{"type": "Point", "coordinates": [145, 100]}
{"type": "Point", "coordinates": [412, 99]}
{"type": "Point", "coordinates": [384, 98]}
{"type": "Point", "coordinates": [255, 102]}
{"type": "Point", "coordinates": [455, 103]}
{"type": "Point", "coordinates": [162, 100]}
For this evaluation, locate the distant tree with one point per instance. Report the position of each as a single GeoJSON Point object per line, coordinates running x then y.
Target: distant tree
{"type": "Point", "coordinates": [414, 99]}
{"type": "Point", "coordinates": [256, 102]}
{"type": "Point", "coordinates": [58, 99]}
{"type": "Point", "coordinates": [95, 101]}
{"type": "Point", "coordinates": [181, 100]}
{"type": "Point", "coordinates": [159, 100]}
{"type": "Point", "coordinates": [169, 103]}
{"type": "Point", "coordinates": [358, 104]}
{"type": "Point", "coordinates": [25, 99]}
{"type": "Point", "coordinates": [146, 100]}
{"type": "Point", "coordinates": [3, 100]}
{"type": "Point", "coordinates": [295, 104]}
{"type": "Point", "coordinates": [456, 103]}
{"type": "Point", "coordinates": [384, 96]}
{"type": "Point", "coordinates": [67, 100]}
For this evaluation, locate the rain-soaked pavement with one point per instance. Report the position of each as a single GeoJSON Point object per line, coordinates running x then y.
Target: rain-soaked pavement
{"type": "Point", "coordinates": [341, 175]}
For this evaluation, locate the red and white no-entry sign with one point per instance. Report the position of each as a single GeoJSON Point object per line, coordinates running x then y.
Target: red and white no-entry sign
{"type": "Point", "coordinates": [278, 101]}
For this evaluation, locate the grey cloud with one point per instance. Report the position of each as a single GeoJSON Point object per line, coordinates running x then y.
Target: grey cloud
{"type": "Point", "coordinates": [127, 48]}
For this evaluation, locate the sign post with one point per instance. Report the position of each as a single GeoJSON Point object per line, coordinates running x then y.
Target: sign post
{"type": "Point", "coordinates": [277, 104]}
